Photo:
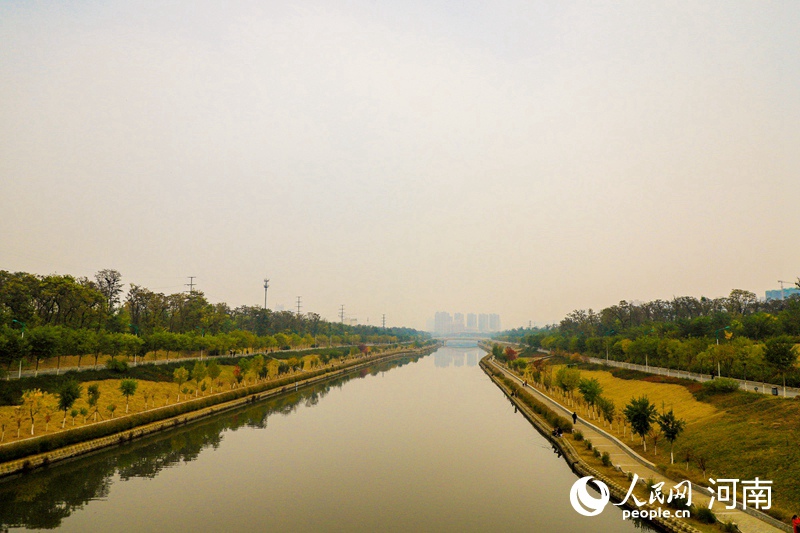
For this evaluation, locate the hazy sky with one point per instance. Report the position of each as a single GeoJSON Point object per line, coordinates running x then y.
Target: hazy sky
{"type": "Point", "coordinates": [524, 158]}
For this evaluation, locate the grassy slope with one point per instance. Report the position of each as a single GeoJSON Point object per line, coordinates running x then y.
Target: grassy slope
{"type": "Point", "coordinates": [742, 435]}
{"type": "Point", "coordinates": [165, 392]}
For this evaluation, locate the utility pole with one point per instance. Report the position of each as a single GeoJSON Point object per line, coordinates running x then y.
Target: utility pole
{"type": "Point", "coordinates": [266, 286]}
{"type": "Point", "coordinates": [341, 318]}
{"type": "Point", "coordinates": [298, 306]}
{"type": "Point", "coordinates": [190, 284]}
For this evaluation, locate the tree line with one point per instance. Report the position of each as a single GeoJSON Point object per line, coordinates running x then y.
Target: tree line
{"type": "Point", "coordinates": [46, 316]}
{"type": "Point", "coordinates": [737, 336]}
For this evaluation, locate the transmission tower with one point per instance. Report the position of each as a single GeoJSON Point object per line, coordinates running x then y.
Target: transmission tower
{"type": "Point", "coordinates": [383, 321]}
{"type": "Point", "coordinates": [298, 306]}
{"type": "Point", "coordinates": [190, 284]}
{"type": "Point", "coordinates": [266, 286]}
{"type": "Point", "coordinates": [341, 314]}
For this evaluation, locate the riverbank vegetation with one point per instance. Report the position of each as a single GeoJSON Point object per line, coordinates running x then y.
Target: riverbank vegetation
{"type": "Point", "coordinates": [735, 336]}
{"type": "Point", "coordinates": [35, 426]}
{"type": "Point", "coordinates": [57, 321]}
{"type": "Point", "coordinates": [590, 456]}
{"type": "Point", "coordinates": [696, 431]}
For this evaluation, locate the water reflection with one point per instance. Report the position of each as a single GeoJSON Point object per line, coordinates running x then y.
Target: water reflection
{"type": "Point", "coordinates": [43, 498]}
{"type": "Point", "coordinates": [456, 357]}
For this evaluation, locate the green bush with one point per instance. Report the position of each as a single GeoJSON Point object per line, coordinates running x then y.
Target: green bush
{"type": "Point", "coordinates": [606, 459]}
{"type": "Point", "coordinates": [117, 365]}
{"type": "Point", "coordinates": [588, 444]}
{"type": "Point", "coordinates": [720, 385]}
{"type": "Point", "coordinates": [680, 504]}
{"type": "Point", "coordinates": [704, 515]}
{"type": "Point", "coordinates": [596, 453]}
{"type": "Point", "coordinates": [577, 435]}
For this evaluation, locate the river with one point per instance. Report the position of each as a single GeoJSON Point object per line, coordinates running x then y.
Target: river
{"type": "Point", "coordinates": [419, 444]}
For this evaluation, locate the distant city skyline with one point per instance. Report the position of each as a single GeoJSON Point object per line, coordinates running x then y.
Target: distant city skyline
{"type": "Point", "coordinates": [443, 323]}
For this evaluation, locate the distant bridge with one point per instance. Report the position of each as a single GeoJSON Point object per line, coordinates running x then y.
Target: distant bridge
{"type": "Point", "coordinates": [463, 339]}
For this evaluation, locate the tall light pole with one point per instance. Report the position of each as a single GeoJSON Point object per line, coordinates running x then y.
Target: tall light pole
{"type": "Point", "coordinates": [19, 376]}
{"type": "Point", "coordinates": [266, 286]}
{"type": "Point", "coordinates": [607, 334]}
{"type": "Point", "coordinates": [717, 334]}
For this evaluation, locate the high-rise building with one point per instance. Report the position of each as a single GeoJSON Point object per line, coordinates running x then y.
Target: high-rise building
{"type": "Point", "coordinates": [472, 322]}
{"type": "Point", "coordinates": [443, 323]}
{"type": "Point", "coordinates": [781, 294]}
{"type": "Point", "coordinates": [458, 323]}
{"type": "Point", "coordinates": [483, 323]}
{"type": "Point", "coordinates": [494, 322]}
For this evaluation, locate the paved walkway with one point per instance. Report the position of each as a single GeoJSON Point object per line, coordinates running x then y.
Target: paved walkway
{"type": "Point", "coordinates": [630, 461]}
{"type": "Point", "coordinates": [747, 385]}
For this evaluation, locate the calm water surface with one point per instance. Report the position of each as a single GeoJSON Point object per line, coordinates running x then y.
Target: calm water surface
{"type": "Point", "coordinates": [428, 444]}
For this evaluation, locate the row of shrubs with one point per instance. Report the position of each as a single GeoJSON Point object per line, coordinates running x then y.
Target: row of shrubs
{"type": "Point", "coordinates": [11, 391]}
{"type": "Point", "coordinates": [555, 420]}
{"type": "Point", "coordinates": [46, 443]}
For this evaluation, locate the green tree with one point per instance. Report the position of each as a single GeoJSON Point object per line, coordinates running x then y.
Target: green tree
{"type": "Point", "coordinates": [497, 352]}
{"type": "Point", "coordinates": [672, 427]}
{"type": "Point", "coordinates": [244, 367]}
{"type": "Point", "coordinates": [128, 388]}
{"type": "Point", "coordinates": [109, 283]}
{"type": "Point", "coordinates": [93, 397]}
{"type": "Point", "coordinates": [69, 392]}
{"type": "Point", "coordinates": [33, 402]}
{"type": "Point", "coordinates": [641, 414]}
{"type": "Point", "coordinates": [282, 341]}
{"type": "Point", "coordinates": [213, 371]}
{"type": "Point", "coordinates": [591, 390]}
{"type": "Point", "coordinates": [607, 408]}
{"type": "Point", "coordinates": [180, 376]}
{"type": "Point", "coordinates": [44, 343]}
{"type": "Point", "coordinates": [781, 354]}
{"type": "Point", "coordinates": [199, 373]}
{"type": "Point", "coordinates": [568, 379]}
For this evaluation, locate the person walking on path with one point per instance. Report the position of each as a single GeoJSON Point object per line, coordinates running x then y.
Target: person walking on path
{"type": "Point", "coordinates": [574, 418]}
{"type": "Point", "coordinates": [795, 524]}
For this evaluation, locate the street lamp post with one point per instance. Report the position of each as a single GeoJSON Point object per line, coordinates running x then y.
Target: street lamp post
{"type": "Point", "coordinates": [608, 333]}
{"type": "Point", "coordinates": [745, 376]}
{"type": "Point", "coordinates": [136, 331]}
{"type": "Point", "coordinates": [19, 376]}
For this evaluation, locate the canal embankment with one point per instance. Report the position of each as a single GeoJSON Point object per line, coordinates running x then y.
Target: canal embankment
{"type": "Point", "coordinates": [625, 461]}
{"type": "Point", "coordinates": [36, 452]}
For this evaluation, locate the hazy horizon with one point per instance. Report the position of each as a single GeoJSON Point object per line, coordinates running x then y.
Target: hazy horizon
{"type": "Point", "coordinates": [404, 158]}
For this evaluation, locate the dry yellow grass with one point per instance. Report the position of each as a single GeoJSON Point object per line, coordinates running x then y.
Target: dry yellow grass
{"type": "Point", "coordinates": [159, 394]}
{"type": "Point", "coordinates": [671, 396]}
